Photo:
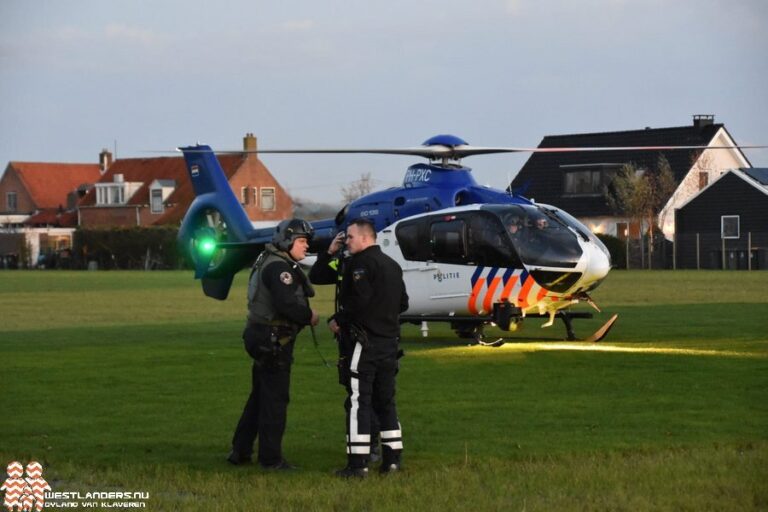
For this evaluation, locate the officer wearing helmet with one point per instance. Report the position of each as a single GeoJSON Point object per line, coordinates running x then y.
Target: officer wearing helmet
{"type": "Point", "coordinates": [278, 308]}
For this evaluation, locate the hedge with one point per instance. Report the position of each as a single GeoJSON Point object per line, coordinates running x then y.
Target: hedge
{"type": "Point", "coordinates": [128, 248]}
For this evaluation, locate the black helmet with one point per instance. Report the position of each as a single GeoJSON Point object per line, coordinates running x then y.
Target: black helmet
{"type": "Point", "coordinates": [289, 230]}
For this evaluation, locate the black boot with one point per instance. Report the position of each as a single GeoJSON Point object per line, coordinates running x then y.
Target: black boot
{"type": "Point", "coordinates": [351, 472]}
{"type": "Point", "coordinates": [238, 459]}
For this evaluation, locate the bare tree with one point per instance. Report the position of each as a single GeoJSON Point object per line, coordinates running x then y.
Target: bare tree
{"type": "Point", "coordinates": [641, 193]}
{"type": "Point", "coordinates": [357, 188]}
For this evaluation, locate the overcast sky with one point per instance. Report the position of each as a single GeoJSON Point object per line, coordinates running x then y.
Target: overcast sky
{"type": "Point", "coordinates": [79, 76]}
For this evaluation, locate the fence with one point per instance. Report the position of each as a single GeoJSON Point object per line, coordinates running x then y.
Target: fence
{"type": "Point", "coordinates": [711, 251]}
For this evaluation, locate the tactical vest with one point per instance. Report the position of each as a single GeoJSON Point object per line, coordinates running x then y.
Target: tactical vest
{"type": "Point", "coordinates": [260, 307]}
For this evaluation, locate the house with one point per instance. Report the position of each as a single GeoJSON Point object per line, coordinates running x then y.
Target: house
{"type": "Point", "coordinates": [725, 225]}
{"type": "Point", "coordinates": [157, 191]}
{"type": "Point", "coordinates": [575, 181]}
{"type": "Point", "coordinates": [37, 213]}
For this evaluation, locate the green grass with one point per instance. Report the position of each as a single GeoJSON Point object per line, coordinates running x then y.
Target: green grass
{"type": "Point", "coordinates": [134, 381]}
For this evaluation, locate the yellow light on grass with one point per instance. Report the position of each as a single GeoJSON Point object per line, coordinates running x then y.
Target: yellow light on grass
{"type": "Point", "coordinates": [525, 347]}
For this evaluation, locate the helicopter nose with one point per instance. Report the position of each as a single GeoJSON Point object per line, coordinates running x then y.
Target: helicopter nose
{"type": "Point", "coordinates": [598, 265]}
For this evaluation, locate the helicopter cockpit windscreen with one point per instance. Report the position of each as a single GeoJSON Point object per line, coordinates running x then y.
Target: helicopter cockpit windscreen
{"type": "Point", "coordinates": [578, 227]}
{"type": "Point", "coordinates": [539, 237]}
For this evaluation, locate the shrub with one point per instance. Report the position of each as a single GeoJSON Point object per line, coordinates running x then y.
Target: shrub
{"type": "Point", "coordinates": [617, 248]}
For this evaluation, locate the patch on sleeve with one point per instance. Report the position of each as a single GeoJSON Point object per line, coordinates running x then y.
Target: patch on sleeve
{"type": "Point", "coordinates": [286, 278]}
{"type": "Point", "coordinates": [358, 274]}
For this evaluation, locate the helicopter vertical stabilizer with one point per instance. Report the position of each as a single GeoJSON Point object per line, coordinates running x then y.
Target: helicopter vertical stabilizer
{"type": "Point", "coordinates": [216, 232]}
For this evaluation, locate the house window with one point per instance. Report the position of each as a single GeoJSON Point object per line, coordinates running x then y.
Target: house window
{"type": "Point", "coordinates": [729, 226]}
{"type": "Point", "coordinates": [703, 180]}
{"type": "Point", "coordinates": [582, 183]}
{"type": "Point", "coordinates": [116, 195]}
{"type": "Point", "coordinates": [268, 198]}
{"type": "Point", "coordinates": [156, 200]}
{"type": "Point", "coordinates": [110, 194]}
{"type": "Point", "coordinates": [243, 195]}
{"type": "Point", "coordinates": [622, 230]}
{"type": "Point", "coordinates": [11, 202]}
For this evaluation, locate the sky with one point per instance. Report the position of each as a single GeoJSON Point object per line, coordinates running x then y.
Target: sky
{"type": "Point", "coordinates": [138, 76]}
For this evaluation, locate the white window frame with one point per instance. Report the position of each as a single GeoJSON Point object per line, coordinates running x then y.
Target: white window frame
{"type": "Point", "coordinates": [723, 219]}
{"type": "Point", "coordinates": [111, 194]}
{"type": "Point", "coordinates": [154, 194]}
{"type": "Point", "coordinates": [243, 196]}
{"type": "Point", "coordinates": [270, 191]}
{"type": "Point", "coordinates": [12, 207]}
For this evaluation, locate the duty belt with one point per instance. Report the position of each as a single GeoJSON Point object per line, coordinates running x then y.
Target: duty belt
{"type": "Point", "coordinates": [279, 333]}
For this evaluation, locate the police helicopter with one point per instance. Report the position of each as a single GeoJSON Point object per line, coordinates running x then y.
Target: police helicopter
{"type": "Point", "coordinates": [471, 255]}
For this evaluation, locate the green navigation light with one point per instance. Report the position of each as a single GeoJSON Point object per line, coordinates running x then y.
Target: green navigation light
{"type": "Point", "coordinates": [207, 246]}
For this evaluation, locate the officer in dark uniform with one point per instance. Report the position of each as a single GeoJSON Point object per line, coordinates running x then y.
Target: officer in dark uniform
{"type": "Point", "coordinates": [278, 308]}
{"type": "Point", "coordinates": [371, 297]}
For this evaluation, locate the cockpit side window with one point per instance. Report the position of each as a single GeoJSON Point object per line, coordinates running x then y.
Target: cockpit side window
{"type": "Point", "coordinates": [489, 246]}
{"type": "Point", "coordinates": [411, 236]}
{"type": "Point", "coordinates": [448, 241]}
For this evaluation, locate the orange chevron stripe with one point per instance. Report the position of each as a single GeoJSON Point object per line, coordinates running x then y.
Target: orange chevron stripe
{"type": "Point", "coordinates": [522, 298]}
{"type": "Point", "coordinates": [541, 294]}
{"type": "Point", "coordinates": [508, 287]}
{"type": "Point", "coordinates": [471, 304]}
{"type": "Point", "coordinates": [488, 303]}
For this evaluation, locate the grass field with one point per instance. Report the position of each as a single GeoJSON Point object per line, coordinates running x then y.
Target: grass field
{"type": "Point", "coordinates": [133, 381]}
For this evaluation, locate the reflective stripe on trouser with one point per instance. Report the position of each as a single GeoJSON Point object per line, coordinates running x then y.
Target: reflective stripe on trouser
{"type": "Point", "coordinates": [358, 442]}
{"type": "Point", "coordinates": [372, 391]}
{"type": "Point", "coordinates": [392, 438]}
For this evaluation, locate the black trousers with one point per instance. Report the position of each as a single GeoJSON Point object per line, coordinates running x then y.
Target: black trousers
{"type": "Point", "coordinates": [265, 413]}
{"type": "Point", "coordinates": [371, 395]}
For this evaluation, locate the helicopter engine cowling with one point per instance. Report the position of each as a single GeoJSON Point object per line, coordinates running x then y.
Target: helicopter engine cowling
{"type": "Point", "coordinates": [204, 236]}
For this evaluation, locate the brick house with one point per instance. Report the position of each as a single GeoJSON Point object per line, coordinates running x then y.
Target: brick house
{"type": "Point", "coordinates": [37, 208]}
{"type": "Point", "coordinates": [157, 191]}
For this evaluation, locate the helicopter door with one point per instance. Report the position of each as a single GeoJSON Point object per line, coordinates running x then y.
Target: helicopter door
{"type": "Point", "coordinates": [436, 279]}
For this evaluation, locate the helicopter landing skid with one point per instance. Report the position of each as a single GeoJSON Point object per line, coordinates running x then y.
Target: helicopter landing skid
{"type": "Point", "coordinates": [597, 336]}
{"type": "Point", "coordinates": [602, 332]}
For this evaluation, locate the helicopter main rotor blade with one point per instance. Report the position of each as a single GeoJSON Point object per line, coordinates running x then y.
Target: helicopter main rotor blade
{"type": "Point", "coordinates": [457, 152]}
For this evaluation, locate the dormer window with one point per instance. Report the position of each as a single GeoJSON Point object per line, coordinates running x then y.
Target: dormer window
{"type": "Point", "coordinates": [110, 194]}
{"type": "Point", "coordinates": [588, 179]}
{"type": "Point", "coordinates": [159, 191]}
{"type": "Point", "coordinates": [117, 192]}
{"type": "Point", "coordinates": [156, 200]}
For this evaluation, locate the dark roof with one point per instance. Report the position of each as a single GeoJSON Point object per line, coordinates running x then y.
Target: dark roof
{"type": "Point", "coordinates": [543, 172]}
{"type": "Point", "coordinates": [759, 174]}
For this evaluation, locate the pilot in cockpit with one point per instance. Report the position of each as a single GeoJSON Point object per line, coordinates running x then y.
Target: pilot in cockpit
{"type": "Point", "coordinates": [514, 227]}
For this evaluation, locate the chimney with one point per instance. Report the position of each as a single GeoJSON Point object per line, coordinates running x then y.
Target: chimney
{"type": "Point", "coordinates": [105, 160]}
{"type": "Point", "coordinates": [249, 142]}
{"type": "Point", "coordinates": [702, 120]}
